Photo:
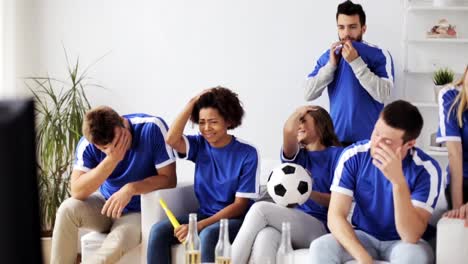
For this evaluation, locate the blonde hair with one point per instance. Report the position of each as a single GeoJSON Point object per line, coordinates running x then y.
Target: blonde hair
{"type": "Point", "coordinates": [461, 99]}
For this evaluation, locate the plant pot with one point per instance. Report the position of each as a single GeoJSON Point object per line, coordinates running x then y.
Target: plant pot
{"type": "Point", "coordinates": [437, 89]}
{"type": "Point", "coordinates": [46, 244]}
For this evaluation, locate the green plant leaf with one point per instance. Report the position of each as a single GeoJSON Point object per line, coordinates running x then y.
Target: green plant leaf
{"type": "Point", "coordinates": [60, 108]}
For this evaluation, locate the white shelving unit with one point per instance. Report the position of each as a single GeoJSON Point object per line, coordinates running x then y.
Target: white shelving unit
{"type": "Point", "coordinates": [440, 40]}
{"type": "Point", "coordinates": [423, 55]}
{"type": "Point", "coordinates": [429, 7]}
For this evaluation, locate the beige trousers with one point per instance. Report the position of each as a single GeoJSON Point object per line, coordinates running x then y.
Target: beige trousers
{"type": "Point", "coordinates": [124, 232]}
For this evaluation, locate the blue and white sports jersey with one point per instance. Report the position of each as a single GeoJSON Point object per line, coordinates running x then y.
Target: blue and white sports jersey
{"type": "Point", "coordinates": [353, 110]}
{"type": "Point", "coordinates": [448, 124]}
{"type": "Point", "coordinates": [321, 164]}
{"type": "Point", "coordinates": [148, 153]}
{"type": "Point", "coordinates": [357, 177]}
{"type": "Point", "coordinates": [223, 173]}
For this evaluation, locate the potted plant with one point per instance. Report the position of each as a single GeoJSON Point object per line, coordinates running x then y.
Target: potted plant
{"type": "Point", "coordinates": [60, 107]}
{"type": "Point", "coordinates": [442, 77]}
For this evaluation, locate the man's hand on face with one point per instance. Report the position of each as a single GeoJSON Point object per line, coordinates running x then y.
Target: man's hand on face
{"type": "Point", "coordinates": [117, 202]}
{"type": "Point", "coordinates": [389, 162]}
{"type": "Point", "coordinates": [335, 53]}
{"type": "Point", "coordinates": [348, 51]}
{"type": "Point", "coordinates": [119, 146]}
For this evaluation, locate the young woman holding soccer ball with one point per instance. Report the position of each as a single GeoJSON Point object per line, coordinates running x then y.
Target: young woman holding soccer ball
{"type": "Point", "coordinates": [309, 140]}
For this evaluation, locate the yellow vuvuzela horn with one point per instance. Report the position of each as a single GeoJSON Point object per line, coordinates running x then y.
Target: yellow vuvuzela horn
{"type": "Point", "coordinates": [169, 214]}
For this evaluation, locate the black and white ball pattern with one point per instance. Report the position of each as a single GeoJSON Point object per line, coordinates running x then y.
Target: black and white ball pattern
{"type": "Point", "coordinates": [289, 184]}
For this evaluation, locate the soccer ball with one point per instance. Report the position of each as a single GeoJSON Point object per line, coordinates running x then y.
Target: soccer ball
{"type": "Point", "coordinates": [289, 184]}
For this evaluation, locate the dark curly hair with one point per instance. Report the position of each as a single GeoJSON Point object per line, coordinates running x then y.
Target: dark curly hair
{"type": "Point", "coordinates": [225, 101]}
{"type": "Point", "coordinates": [324, 127]}
{"type": "Point", "coordinates": [99, 124]}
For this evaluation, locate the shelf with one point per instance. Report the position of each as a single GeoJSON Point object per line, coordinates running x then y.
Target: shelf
{"type": "Point", "coordinates": [461, 8]}
{"type": "Point", "coordinates": [425, 104]}
{"type": "Point", "coordinates": [436, 153]}
{"type": "Point", "coordinates": [412, 72]}
{"type": "Point", "coordinates": [440, 40]}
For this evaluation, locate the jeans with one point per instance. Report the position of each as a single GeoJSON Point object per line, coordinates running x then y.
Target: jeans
{"type": "Point", "coordinates": [162, 237]}
{"type": "Point", "coordinates": [327, 249]}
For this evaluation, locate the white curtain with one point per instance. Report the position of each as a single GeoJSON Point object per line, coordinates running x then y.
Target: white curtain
{"type": "Point", "coordinates": [7, 48]}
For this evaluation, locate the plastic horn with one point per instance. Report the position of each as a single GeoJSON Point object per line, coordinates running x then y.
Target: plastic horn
{"type": "Point", "coordinates": [169, 214]}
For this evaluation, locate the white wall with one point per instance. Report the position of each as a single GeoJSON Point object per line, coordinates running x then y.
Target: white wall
{"type": "Point", "coordinates": [160, 53]}
{"type": "Point", "coordinates": [7, 48]}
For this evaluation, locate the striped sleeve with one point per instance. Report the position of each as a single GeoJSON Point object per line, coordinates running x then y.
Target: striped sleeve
{"type": "Point", "coordinates": [163, 153]}
{"type": "Point", "coordinates": [448, 126]}
{"type": "Point", "coordinates": [344, 177]}
{"type": "Point", "coordinates": [84, 156]}
{"type": "Point", "coordinates": [249, 180]}
{"type": "Point", "coordinates": [426, 191]}
{"type": "Point", "coordinates": [293, 159]}
{"type": "Point", "coordinates": [376, 78]}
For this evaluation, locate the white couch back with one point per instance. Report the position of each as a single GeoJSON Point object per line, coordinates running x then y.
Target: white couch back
{"type": "Point", "coordinates": [185, 170]}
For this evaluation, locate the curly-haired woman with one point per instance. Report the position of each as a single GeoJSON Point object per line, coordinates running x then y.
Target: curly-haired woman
{"type": "Point", "coordinates": [226, 172]}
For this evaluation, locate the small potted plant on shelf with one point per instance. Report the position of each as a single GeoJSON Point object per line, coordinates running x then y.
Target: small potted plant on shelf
{"type": "Point", "coordinates": [441, 78]}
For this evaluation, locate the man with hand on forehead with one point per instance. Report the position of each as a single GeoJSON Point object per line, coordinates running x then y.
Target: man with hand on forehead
{"type": "Point", "coordinates": [359, 77]}
{"type": "Point", "coordinates": [119, 158]}
{"type": "Point", "coordinates": [395, 187]}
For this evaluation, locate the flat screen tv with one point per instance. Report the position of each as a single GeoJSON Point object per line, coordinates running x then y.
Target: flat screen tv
{"type": "Point", "coordinates": [19, 204]}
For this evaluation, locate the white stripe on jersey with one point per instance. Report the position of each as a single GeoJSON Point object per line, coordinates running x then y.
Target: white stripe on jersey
{"type": "Point", "coordinates": [442, 117]}
{"type": "Point", "coordinates": [162, 128]}
{"type": "Point", "coordinates": [434, 180]}
{"type": "Point", "coordinates": [187, 149]}
{"type": "Point", "coordinates": [345, 156]}
{"type": "Point", "coordinates": [294, 157]}
{"type": "Point", "coordinates": [257, 173]}
{"type": "Point", "coordinates": [79, 165]}
{"type": "Point", "coordinates": [388, 61]}
{"type": "Point", "coordinates": [388, 65]}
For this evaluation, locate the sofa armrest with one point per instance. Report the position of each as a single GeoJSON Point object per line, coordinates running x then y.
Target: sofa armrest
{"type": "Point", "coordinates": [452, 238]}
{"type": "Point", "coordinates": [180, 200]}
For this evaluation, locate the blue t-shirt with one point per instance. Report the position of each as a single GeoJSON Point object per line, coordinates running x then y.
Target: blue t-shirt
{"type": "Point", "coordinates": [321, 164]}
{"type": "Point", "coordinates": [353, 110]}
{"type": "Point", "coordinates": [223, 173]}
{"type": "Point", "coordinates": [448, 124]}
{"type": "Point", "coordinates": [147, 154]}
{"type": "Point", "coordinates": [357, 177]}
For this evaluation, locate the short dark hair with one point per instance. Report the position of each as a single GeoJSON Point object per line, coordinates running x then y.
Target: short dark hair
{"type": "Point", "coordinates": [225, 101]}
{"type": "Point", "coordinates": [405, 116]}
{"type": "Point", "coordinates": [350, 9]}
{"type": "Point", "coordinates": [99, 124]}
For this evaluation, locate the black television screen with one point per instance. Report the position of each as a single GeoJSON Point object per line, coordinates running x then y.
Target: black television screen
{"type": "Point", "coordinates": [19, 203]}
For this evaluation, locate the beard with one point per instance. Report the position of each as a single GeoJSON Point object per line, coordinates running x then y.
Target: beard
{"type": "Point", "coordinates": [358, 38]}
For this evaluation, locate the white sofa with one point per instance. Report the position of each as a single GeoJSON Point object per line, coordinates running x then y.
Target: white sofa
{"type": "Point", "coordinates": [181, 200]}
{"type": "Point", "coordinates": [452, 241]}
